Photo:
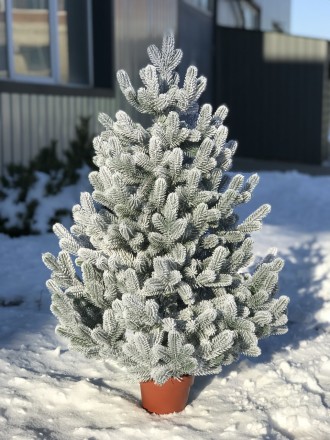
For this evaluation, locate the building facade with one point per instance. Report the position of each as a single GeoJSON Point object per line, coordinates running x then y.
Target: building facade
{"type": "Point", "coordinates": [58, 60]}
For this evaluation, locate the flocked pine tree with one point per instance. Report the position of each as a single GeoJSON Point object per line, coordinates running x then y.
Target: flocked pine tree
{"type": "Point", "coordinates": [159, 280]}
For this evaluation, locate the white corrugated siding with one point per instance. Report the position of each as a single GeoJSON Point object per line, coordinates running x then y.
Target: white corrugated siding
{"type": "Point", "coordinates": [28, 122]}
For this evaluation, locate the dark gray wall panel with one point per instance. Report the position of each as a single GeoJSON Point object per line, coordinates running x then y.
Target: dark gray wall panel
{"type": "Point", "coordinates": [196, 40]}
{"type": "Point", "coordinates": [274, 87]}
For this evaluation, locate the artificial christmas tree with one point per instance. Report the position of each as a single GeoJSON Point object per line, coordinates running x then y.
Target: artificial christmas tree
{"type": "Point", "coordinates": [159, 281]}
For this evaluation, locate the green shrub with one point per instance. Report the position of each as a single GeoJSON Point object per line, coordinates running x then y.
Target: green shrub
{"type": "Point", "coordinates": [18, 182]}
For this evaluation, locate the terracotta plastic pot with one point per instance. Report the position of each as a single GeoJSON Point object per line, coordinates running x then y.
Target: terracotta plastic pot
{"type": "Point", "coordinates": [170, 397]}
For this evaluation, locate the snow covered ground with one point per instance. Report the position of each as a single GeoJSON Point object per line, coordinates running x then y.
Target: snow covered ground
{"type": "Point", "coordinates": [50, 393]}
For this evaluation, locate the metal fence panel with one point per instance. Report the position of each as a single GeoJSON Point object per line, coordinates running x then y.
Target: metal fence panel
{"type": "Point", "coordinates": [274, 86]}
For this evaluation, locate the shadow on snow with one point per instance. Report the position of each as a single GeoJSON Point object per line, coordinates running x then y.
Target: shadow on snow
{"type": "Point", "coordinates": [300, 281]}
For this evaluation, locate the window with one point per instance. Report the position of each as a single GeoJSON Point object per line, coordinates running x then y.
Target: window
{"type": "Point", "coordinates": [203, 5]}
{"type": "Point", "coordinates": [251, 15]}
{"type": "Point", "coordinates": [53, 42]}
{"type": "Point", "coordinates": [239, 14]}
{"type": "Point", "coordinates": [3, 42]}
